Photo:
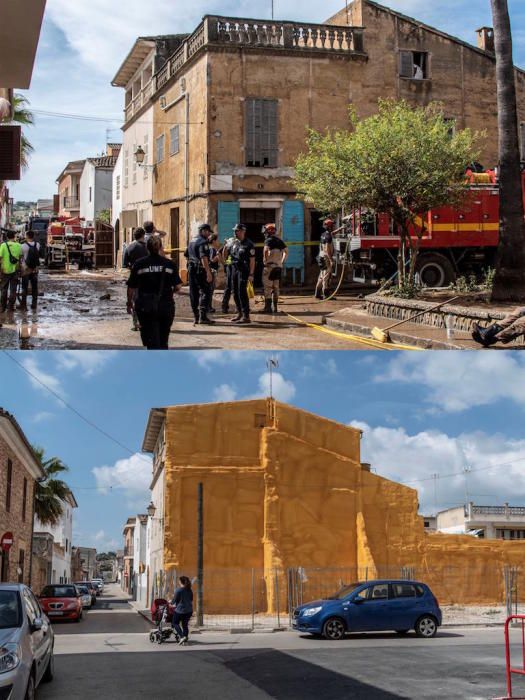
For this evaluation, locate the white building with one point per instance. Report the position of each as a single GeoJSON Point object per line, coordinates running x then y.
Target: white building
{"type": "Point", "coordinates": [146, 57]}
{"type": "Point", "coordinates": [489, 522]}
{"type": "Point", "coordinates": [116, 204]}
{"type": "Point", "coordinates": [96, 184]}
{"type": "Point", "coordinates": [155, 443]}
{"type": "Point", "coordinates": [62, 534]}
{"type": "Point", "coordinates": [140, 565]}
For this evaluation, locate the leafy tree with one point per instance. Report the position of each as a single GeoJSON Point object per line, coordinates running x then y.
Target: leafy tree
{"type": "Point", "coordinates": [509, 282]}
{"type": "Point", "coordinates": [105, 216]}
{"type": "Point", "coordinates": [402, 161]}
{"type": "Point", "coordinates": [50, 492]}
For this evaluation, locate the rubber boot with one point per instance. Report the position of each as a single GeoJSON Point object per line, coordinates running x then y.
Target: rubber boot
{"type": "Point", "coordinates": [204, 320]}
{"type": "Point", "coordinates": [267, 307]}
{"type": "Point", "coordinates": [318, 294]}
{"type": "Point", "coordinates": [23, 303]}
{"type": "Point", "coordinates": [225, 309]}
{"type": "Point", "coordinates": [487, 336]}
{"type": "Point", "coordinates": [244, 319]}
{"type": "Point", "coordinates": [275, 304]}
{"type": "Point", "coordinates": [238, 318]}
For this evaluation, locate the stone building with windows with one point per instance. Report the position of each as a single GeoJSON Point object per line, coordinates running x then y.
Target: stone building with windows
{"type": "Point", "coordinates": [232, 105]}
{"type": "Point", "coordinates": [19, 472]}
{"type": "Point", "coordinates": [62, 534]}
{"type": "Point", "coordinates": [502, 522]}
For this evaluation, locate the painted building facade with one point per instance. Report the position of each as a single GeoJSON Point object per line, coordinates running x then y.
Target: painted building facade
{"type": "Point", "coordinates": [68, 183]}
{"type": "Point", "coordinates": [19, 470]}
{"type": "Point", "coordinates": [62, 534]}
{"type": "Point", "coordinates": [285, 489]}
{"type": "Point", "coordinates": [226, 107]}
{"type": "Point", "coordinates": [96, 184]}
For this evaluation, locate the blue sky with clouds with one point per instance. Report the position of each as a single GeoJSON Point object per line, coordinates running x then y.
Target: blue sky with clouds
{"type": "Point", "coordinates": [83, 43]}
{"type": "Point", "coordinates": [421, 413]}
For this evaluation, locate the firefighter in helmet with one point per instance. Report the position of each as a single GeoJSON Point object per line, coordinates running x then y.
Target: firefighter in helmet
{"type": "Point", "coordinates": [325, 260]}
{"type": "Point", "coordinates": [275, 253]}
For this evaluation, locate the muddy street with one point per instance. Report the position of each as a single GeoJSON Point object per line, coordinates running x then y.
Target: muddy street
{"type": "Point", "coordinates": [84, 310]}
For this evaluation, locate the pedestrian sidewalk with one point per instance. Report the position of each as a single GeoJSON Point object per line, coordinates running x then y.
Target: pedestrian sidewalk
{"type": "Point", "coordinates": [358, 322]}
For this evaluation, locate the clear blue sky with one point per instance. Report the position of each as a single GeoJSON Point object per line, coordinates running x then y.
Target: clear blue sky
{"type": "Point", "coordinates": [422, 414]}
{"type": "Point", "coordinates": [83, 44]}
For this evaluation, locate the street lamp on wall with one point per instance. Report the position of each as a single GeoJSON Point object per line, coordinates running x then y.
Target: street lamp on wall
{"type": "Point", "coordinates": [140, 157]}
{"type": "Point", "coordinates": [151, 510]}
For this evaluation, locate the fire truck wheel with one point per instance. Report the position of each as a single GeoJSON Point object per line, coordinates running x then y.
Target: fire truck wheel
{"type": "Point", "coordinates": [435, 270]}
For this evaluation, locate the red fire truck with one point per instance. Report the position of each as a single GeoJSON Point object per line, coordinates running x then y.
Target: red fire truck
{"type": "Point", "coordinates": [70, 241]}
{"type": "Point", "coordinates": [455, 242]}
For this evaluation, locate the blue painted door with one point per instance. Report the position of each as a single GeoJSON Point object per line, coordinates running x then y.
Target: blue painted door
{"type": "Point", "coordinates": [293, 232]}
{"type": "Point", "coordinates": [227, 218]}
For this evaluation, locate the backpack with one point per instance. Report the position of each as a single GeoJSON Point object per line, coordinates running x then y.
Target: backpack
{"type": "Point", "coordinates": [33, 256]}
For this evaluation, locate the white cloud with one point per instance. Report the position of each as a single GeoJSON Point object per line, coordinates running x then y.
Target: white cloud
{"type": "Point", "coordinates": [207, 359]}
{"type": "Point", "coordinates": [456, 381]}
{"type": "Point", "coordinates": [42, 416]}
{"type": "Point", "coordinates": [37, 377]}
{"type": "Point", "coordinates": [102, 541]}
{"type": "Point", "coordinates": [282, 389]}
{"type": "Point", "coordinates": [224, 392]}
{"type": "Point", "coordinates": [130, 477]}
{"type": "Point", "coordinates": [87, 362]}
{"type": "Point", "coordinates": [414, 458]}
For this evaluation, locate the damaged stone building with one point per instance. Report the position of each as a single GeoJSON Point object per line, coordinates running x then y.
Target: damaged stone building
{"type": "Point", "coordinates": [284, 489]}
{"type": "Point", "coordinates": [232, 105]}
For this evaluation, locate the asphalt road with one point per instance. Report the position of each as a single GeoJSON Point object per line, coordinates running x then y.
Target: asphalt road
{"type": "Point", "coordinates": [108, 655]}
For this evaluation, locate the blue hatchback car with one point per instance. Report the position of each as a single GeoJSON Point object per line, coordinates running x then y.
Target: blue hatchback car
{"type": "Point", "coordinates": [373, 606]}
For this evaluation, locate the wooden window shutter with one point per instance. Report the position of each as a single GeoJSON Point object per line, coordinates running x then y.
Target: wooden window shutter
{"type": "Point", "coordinates": [406, 64]}
{"type": "Point", "coordinates": [10, 153]}
{"type": "Point", "coordinates": [270, 133]}
{"type": "Point", "coordinates": [261, 133]}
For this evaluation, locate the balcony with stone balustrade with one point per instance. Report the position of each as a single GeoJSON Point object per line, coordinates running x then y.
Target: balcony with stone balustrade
{"type": "Point", "coordinates": [295, 37]}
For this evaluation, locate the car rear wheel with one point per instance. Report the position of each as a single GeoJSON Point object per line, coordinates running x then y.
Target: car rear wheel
{"type": "Point", "coordinates": [426, 627]}
{"type": "Point", "coordinates": [334, 629]}
{"type": "Point", "coordinates": [49, 673]}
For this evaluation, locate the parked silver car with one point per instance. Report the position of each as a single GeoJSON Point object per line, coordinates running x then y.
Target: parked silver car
{"type": "Point", "coordinates": [26, 643]}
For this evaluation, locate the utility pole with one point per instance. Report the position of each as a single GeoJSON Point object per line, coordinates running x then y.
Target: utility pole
{"type": "Point", "coordinates": [272, 10]}
{"type": "Point", "coordinates": [272, 364]}
{"type": "Point", "coordinates": [466, 472]}
{"type": "Point", "coordinates": [200, 554]}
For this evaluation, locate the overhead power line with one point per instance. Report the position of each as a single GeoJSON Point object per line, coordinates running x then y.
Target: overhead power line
{"type": "Point", "coordinates": [82, 417]}
{"type": "Point", "coordinates": [104, 120]}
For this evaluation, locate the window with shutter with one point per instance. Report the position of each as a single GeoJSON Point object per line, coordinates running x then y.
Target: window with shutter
{"type": "Point", "coordinates": [414, 65]}
{"type": "Point", "coordinates": [261, 127]}
{"type": "Point", "coordinates": [174, 140]}
{"type": "Point", "coordinates": [160, 149]}
{"type": "Point", "coordinates": [406, 69]}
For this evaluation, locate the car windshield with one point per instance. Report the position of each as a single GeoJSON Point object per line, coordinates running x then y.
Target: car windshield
{"type": "Point", "coordinates": [344, 591]}
{"type": "Point", "coordinates": [59, 592]}
{"type": "Point", "coordinates": [10, 610]}
{"type": "Point", "coordinates": [83, 590]}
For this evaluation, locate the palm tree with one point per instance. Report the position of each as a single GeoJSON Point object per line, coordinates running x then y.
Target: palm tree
{"type": "Point", "coordinates": [50, 492]}
{"type": "Point", "coordinates": [509, 282]}
{"type": "Point", "coordinates": [23, 116]}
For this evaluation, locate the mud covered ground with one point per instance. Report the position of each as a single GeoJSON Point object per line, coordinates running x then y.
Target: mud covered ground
{"type": "Point", "coordinates": [84, 310]}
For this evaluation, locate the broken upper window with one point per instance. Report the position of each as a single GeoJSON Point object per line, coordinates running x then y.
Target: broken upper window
{"type": "Point", "coordinates": [261, 130]}
{"type": "Point", "coordinates": [414, 65]}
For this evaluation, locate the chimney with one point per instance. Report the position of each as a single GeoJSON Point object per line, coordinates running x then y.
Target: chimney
{"type": "Point", "coordinates": [486, 39]}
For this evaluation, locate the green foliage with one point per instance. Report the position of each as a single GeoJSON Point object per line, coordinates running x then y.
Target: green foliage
{"type": "Point", "coordinates": [402, 161]}
{"type": "Point", "coordinates": [50, 493]}
{"type": "Point", "coordinates": [472, 283]}
{"type": "Point", "coordinates": [23, 116]}
{"type": "Point", "coordinates": [105, 216]}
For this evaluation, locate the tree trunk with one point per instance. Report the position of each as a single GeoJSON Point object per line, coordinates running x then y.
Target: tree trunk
{"type": "Point", "coordinates": [509, 281]}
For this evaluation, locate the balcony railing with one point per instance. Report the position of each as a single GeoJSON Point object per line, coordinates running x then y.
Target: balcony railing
{"type": "Point", "coordinates": [128, 551]}
{"type": "Point", "coordinates": [498, 510]}
{"type": "Point", "coordinates": [71, 203]}
{"type": "Point", "coordinates": [249, 33]}
{"type": "Point", "coordinates": [139, 100]}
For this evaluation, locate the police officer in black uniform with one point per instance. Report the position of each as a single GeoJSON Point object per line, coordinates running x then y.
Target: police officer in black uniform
{"type": "Point", "coordinates": [200, 275]}
{"type": "Point", "coordinates": [242, 253]}
{"type": "Point", "coordinates": [151, 285]}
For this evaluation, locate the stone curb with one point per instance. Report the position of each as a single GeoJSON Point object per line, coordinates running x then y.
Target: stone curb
{"type": "Point", "coordinates": [397, 337]}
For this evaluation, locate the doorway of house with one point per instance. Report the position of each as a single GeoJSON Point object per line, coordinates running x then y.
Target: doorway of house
{"type": "Point", "coordinates": [174, 234]}
{"type": "Point", "coordinates": [254, 220]}
{"type": "Point", "coordinates": [316, 228]}
{"type": "Point", "coordinates": [4, 567]}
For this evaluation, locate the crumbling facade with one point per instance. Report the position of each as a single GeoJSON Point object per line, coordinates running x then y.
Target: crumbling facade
{"type": "Point", "coordinates": [285, 489]}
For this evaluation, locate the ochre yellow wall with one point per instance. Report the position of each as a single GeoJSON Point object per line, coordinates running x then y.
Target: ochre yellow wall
{"type": "Point", "coordinates": [284, 488]}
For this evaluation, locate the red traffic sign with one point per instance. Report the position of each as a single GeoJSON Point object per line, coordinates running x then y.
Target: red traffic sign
{"type": "Point", "coordinates": [6, 541]}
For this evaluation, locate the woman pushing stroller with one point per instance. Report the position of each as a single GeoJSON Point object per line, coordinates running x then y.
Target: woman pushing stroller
{"type": "Point", "coordinates": [183, 604]}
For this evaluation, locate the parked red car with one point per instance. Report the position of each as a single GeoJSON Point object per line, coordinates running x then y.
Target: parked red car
{"type": "Point", "coordinates": [61, 601]}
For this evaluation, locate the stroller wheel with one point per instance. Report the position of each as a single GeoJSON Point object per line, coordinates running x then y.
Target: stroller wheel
{"type": "Point", "coordinates": [152, 637]}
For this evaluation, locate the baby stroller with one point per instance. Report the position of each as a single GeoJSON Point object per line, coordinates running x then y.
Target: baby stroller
{"type": "Point", "coordinates": [161, 612]}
